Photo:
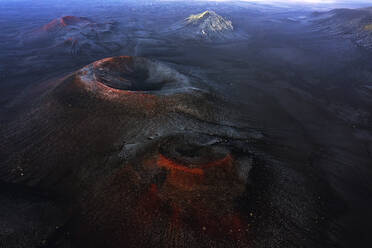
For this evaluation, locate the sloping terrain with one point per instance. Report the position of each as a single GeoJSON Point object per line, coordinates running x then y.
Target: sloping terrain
{"type": "Point", "coordinates": [138, 154]}
{"type": "Point", "coordinates": [130, 143]}
{"type": "Point", "coordinates": [353, 24]}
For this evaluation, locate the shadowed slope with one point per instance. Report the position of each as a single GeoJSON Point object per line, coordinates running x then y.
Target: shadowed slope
{"type": "Point", "coordinates": [353, 24]}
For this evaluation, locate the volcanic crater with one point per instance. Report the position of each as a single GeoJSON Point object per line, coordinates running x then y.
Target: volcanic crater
{"type": "Point", "coordinates": [133, 74]}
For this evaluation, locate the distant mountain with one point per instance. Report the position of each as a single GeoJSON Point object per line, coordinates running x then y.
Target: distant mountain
{"type": "Point", "coordinates": [66, 21]}
{"type": "Point", "coordinates": [209, 23]}
{"type": "Point", "coordinates": [354, 24]}
{"type": "Point", "coordinates": [205, 26]}
{"type": "Point", "coordinates": [74, 35]}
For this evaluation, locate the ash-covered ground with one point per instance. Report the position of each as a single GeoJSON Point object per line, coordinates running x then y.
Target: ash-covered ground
{"type": "Point", "coordinates": [184, 124]}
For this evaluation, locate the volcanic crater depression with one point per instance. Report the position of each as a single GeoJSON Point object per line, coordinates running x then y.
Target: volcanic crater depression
{"type": "Point", "coordinates": [133, 74]}
{"type": "Point", "coordinates": [194, 150]}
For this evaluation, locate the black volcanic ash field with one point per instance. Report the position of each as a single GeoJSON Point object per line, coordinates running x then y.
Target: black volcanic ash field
{"type": "Point", "coordinates": [184, 125]}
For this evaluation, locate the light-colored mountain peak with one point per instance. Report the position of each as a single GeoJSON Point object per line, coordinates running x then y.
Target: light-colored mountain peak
{"type": "Point", "coordinates": [209, 23]}
{"type": "Point", "coordinates": [201, 16]}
